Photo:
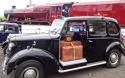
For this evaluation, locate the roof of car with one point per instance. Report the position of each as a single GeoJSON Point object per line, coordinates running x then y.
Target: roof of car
{"type": "Point", "coordinates": [90, 18]}
{"type": "Point", "coordinates": [7, 23]}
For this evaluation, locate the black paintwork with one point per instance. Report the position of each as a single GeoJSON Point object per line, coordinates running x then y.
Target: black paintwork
{"type": "Point", "coordinates": [47, 50]}
{"type": "Point", "coordinates": [46, 58]}
{"type": "Point", "coordinates": [50, 45]}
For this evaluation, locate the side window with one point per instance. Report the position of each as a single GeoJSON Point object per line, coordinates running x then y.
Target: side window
{"type": "Point", "coordinates": [1, 28]}
{"type": "Point", "coordinates": [10, 29]}
{"type": "Point", "coordinates": [56, 9]}
{"type": "Point", "coordinates": [112, 28]}
{"type": "Point", "coordinates": [75, 29]}
{"type": "Point", "coordinates": [97, 28]}
{"type": "Point", "coordinates": [74, 26]}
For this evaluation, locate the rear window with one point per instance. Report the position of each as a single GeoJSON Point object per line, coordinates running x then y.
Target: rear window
{"type": "Point", "coordinates": [112, 28]}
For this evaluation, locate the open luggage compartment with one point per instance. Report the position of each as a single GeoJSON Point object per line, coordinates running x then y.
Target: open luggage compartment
{"type": "Point", "coordinates": [71, 43]}
{"type": "Point", "coordinates": [71, 52]}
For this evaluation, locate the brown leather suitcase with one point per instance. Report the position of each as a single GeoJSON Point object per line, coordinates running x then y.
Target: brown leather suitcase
{"type": "Point", "coordinates": [67, 53]}
{"type": "Point", "coordinates": [70, 53]}
{"type": "Point", "coordinates": [68, 38]}
{"type": "Point", "coordinates": [64, 43]}
{"type": "Point", "coordinates": [76, 43]}
{"type": "Point", "coordinates": [78, 52]}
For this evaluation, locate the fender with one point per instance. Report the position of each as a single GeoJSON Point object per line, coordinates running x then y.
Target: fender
{"type": "Point", "coordinates": [47, 59]}
{"type": "Point", "coordinates": [4, 44]}
{"type": "Point", "coordinates": [118, 44]}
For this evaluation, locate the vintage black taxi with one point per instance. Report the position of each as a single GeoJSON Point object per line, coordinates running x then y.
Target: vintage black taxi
{"type": "Point", "coordinates": [72, 43]}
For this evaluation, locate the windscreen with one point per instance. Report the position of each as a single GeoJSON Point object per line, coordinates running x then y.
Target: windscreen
{"type": "Point", "coordinates": [57, 26]}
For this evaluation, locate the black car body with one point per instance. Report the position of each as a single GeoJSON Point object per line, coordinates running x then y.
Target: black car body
{"type": "Point", "coordinates": [8, 28]}
{"type": "Point", "coordinates": [35, 52]}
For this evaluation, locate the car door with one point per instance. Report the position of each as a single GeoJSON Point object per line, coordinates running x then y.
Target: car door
{"type": "Point", "coordinates": [96, 40]}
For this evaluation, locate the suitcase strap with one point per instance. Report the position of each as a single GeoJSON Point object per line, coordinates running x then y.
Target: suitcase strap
{"type": "Point", "coordinates": [74, 52]}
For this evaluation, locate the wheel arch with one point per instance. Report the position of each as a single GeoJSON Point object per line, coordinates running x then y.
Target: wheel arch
{"type": "Point", "coordinates": [29, 58]}
{"type": "Point", "coordinates": [116, 45]}
{"type": "Point", "coordinates": [39, 55]}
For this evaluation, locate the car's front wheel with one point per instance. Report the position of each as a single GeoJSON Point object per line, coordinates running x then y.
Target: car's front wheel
{"type": "Point", "coordinates": [29, 69]}
{"type": "Point", "coordinates": [113, 58]}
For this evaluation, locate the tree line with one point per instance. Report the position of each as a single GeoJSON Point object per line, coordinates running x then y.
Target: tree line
{"type": "Point", "coordinates": [3, 19]}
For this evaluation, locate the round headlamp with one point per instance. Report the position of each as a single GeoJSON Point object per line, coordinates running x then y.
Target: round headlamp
{"type": "Point", "coordinates": [10, 46]}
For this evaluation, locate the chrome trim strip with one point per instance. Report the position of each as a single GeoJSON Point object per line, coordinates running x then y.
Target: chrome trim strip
{"type": "Point", "coordinates": [19, 37]}
{"type": "Point", "coordinates": [82, 67]}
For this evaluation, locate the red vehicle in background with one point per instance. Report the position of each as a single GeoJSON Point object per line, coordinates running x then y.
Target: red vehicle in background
{"type": "Point", "coordinates": [29, 14]}
{"type": "Point", "coordinates": [36, 14]}
{"type": "Point", "coordinates": [45, 14]}
{"type": "Point", "coordinates": [109, 9]}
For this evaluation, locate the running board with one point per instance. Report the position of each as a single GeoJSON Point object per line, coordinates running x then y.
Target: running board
{"type": "Point", "coordinates": [82, 67]}
{"type": "Point", "coordinates": [74, 62]}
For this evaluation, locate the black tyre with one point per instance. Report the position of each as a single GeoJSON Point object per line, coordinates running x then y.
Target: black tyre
{"type": "Point", "coordinates": [29, 69]}
{"type": "Point", "coordinates": [113, 58]}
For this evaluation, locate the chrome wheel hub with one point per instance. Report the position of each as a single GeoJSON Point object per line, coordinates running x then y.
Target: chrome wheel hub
{"type": "Point", "coordinates": [30, 72]}
{"type": "Point", "coordinates": [114, 58]}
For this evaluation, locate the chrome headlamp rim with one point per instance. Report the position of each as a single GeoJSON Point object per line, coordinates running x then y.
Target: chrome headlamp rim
{"type": "Point", "coordinates": [10, 46]}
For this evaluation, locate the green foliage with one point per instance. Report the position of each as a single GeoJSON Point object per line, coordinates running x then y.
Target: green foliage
{"type": "Point", "coordinates": [3, 19]}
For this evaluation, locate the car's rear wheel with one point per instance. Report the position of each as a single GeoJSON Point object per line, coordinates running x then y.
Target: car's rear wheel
{"type": "Point", "coordinates": [29, 69]}
{"type": "Point", "coordinates": [113, 58]}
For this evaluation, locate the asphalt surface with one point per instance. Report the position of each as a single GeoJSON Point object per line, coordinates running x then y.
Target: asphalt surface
{"type": "Point", "coordinates": [94, 72]}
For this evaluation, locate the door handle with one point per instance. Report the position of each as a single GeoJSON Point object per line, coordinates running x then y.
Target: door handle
{"type": "Point", "coordinates": [90, 41]}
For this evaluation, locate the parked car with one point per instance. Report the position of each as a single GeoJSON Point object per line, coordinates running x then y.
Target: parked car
{"type": "Point", "coordinates": [73, 43]}
{"type": "Point", "coordinates": [8, 28]}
